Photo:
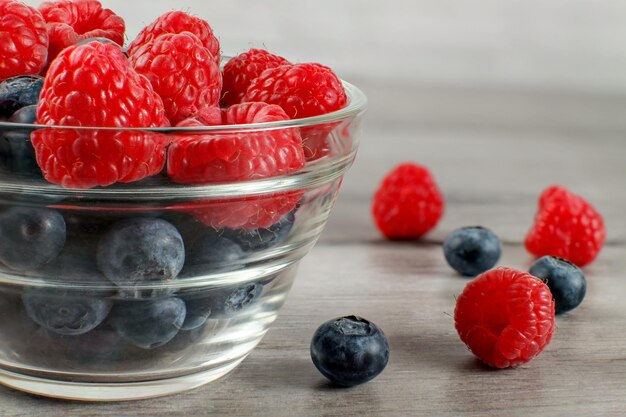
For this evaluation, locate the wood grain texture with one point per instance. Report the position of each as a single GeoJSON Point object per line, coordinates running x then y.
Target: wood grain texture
{"type": "Point", "coordinates": [490, 177]}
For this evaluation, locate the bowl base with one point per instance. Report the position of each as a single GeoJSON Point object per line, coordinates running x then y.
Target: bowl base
{"type": "Point", "coordinates": [79, 391]}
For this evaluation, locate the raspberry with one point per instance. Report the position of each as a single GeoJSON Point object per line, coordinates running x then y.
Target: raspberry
{"type": "Point", "coordinates": [23, 40]}
{"type": "Point", "coordinates": [226, 157]}
{"type": "Point", "coordinates": [241, 156]}
{"type": "Point", "coordinates": [182, 71]}
{"type": "Point", "coordinates": [505, 317]}
{"type": "Point", "coordinates": [408, 203]}
{"type": "Point", "coordinates": [94, 85]}
{"type": "Point", "coordinates": [566, 226]}
{"type": "Point", "coordinates": [70, 22]}
{"type": "Point", "coordinates": [302, 90]}
{"type": "Point", "coordinates": [177, 22]}
{"type": "Point", "coordinates": [242, 69]}
{"type": "Point", "coordinates": [246, 213]}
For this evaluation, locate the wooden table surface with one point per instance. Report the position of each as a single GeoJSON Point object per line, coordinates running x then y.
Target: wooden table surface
{"type": "Point", "coordinates": [491, 169]}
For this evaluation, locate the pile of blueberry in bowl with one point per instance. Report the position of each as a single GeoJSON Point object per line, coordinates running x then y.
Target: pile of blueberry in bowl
{"type": "Point", "coordinates": [155, 199]}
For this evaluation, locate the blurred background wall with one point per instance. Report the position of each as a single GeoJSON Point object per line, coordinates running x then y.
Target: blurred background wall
{"type": "Point", "coordinates": [480, 63]}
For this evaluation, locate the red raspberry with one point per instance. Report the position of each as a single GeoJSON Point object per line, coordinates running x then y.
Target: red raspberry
{"type": "Point", "coordinates": [505, 317]}
{"type": "Point", "coordinates": [182, 71]}
{"type": "Point", "coordinates": [242, 69]}
{"type": "Point", "coordinates": [408, 203]}
{"type": "Point", "coordinates": [23, 40]}
{"type": "Point", "coordinates": [70, 22]}
{"type": "Point", "coordinates": [177, 22]}
{"type": "Point", "coordinates": [241, 156]}
{"type": "Point", "coordinates": [566, 226]}
{"type": "Point", "coordinates": [302, 90]}
{"type": "Point", "coordinates": [94, 85]}
{"type": "Point", "coordinates": [242, 213]}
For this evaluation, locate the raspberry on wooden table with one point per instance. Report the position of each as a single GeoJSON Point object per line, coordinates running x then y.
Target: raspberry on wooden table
{"type": "Point", "coordinates": [93, 85]}
{"type": "Point", "coordinates": [241, 70]}
{"type": "Point", "coordinates": [566, 226]}
{"type": "Point", "coordinates": [23, 40]}
{"type": "Point", "coordinates": [182, 71]}
{"type": "Point", "coordinates": [70, 22]}
{"type": "Point", "coordinates": [176, 22]}
{"type": "Point", "coordinates": [505, 317]}
{"type": "Point", "coordinates": [408, 203]}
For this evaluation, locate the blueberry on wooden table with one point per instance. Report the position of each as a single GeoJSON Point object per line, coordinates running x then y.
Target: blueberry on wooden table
{"type": "Point", "coordinates": [472, 250]}
{"type": "Point", "coordinates": [349, 350]}
{"type": "Point", "coordinates": [566, 281]}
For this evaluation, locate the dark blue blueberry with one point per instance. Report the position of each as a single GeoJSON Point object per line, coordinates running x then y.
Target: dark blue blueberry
{"type": "Point", "coordinates": [565, 280]}
{"type": "Point", "coordinates": [349, 350]}
{"type": "Point", "coordinates": [212, 253]}
{"type": "Point", "coordinates": [30, 237]}
{"type": "Point", "coordinates": [17, 92]}
{"type": "Point", "coordinates": [64, 312]}
{"type": "Point", "coordinates": [472, 250]}
{"type": "Point", "coordinates": [198, 311]}
{"type": "Point", "coordinates": [26, 115]}
{"type": "Point", "coordinates": [231, 301]}
{"type": "Point", "coordinates": [69, 311]}
{"type": "Point", "coordinates": [141, 251]}
{"type": "Point", "coordinates": [223, 302]}
{"type": "Point", "coordinates": [262, 238]}
{"type": "Point", "coordinates": [16, 150]}
{"type": "Point", "coordinates": [149, 324]}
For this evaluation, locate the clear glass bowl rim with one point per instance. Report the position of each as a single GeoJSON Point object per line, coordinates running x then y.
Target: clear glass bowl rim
{"type": "Point", "coordinates": [357, 102]}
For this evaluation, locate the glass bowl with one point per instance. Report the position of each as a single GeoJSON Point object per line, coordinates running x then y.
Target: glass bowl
{"type": "Point", "coordinates": [149, 288]}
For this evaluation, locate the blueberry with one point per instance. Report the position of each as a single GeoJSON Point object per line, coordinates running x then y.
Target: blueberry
{"type": "Point", "coordinates": [26, 115]}
{"type": "Point", "coordinates": [16, 150]}
{"type": "Point", "coordinates": [72, 311]}
{"type": "Point", "coordinates": [349, 350]}
{"type": "Point", "coordinates": [472, 250]}
{"type": "Point", "coordinates": [64, 312]}
{"type": "Point", "coordinates": [17, 92]}
{"type": "Point", "coordinates": [149, 324]}
{"type": "Point", "coordinates": [223, 303]}
{"type": "Point", "coordinates": [262, 238]}
{"type": "Point", "coordinates": [198, 311]}
{"type": "Point", "coordinates": [140, 251]}
{"type": "Point", "coordinates": [30, 236]}
{"type": "Point", "coordinates": [565, 280]}
{"type": "Point", "coordinates": [212, 253]}
{"type": "Point", "coordinates": [231, 301]}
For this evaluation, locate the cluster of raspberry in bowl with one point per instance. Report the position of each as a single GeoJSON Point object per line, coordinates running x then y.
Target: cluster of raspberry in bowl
{"type": "Point", "coordinates": [155, 200]}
